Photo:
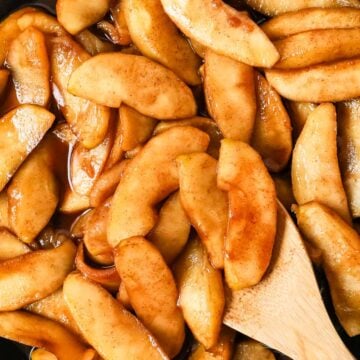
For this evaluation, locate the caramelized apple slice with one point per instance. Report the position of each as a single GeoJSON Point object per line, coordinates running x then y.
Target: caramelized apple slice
{"type": "Point", "coordinates": [10, 245]}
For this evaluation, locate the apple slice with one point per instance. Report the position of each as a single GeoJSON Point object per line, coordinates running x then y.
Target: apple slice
{"type": "Point", "coordinates": [149, 88]}
{"type": "Point", "coordinates": [222, 29]}
{"type": "Point", "coordinates": [252, 213]}
{"type": "Point", "coordinates": [20, 131]}
{"type": "Point", "coordinates": [11, 246]}
{"type": "Point", "coordinates": [113, 331]}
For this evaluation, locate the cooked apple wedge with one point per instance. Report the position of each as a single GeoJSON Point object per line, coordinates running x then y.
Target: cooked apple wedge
{"type": "Point", "coordinates": [4, 210]}
{"type": "Point", "coordinates": [152, 291]}
{"type": "Point", "coordinates": [311, 19]}
{"type": "Point", "coordinates": [35, 275]}
{"type": "Point", "coordinates": [20, 131]}
{"type": "Point", "coordinates": [34, 330]}
{"type": "Point", "coordinates": [118, 15]}
{"type": "Point", "coordinates": [252, 350]}
{"type": "Point", "coordinates": [149, 87]}
{"type": "Point", "coordinates": [222, 29]}
{"type": "Point", "coordinates": [317, 46]}
{"type": "Point", "coordinates": [78, 15]}
{"type": "Point", "coordinates": [229, 87]}
{"type": "Point", "coordinates": [42, 21]}
{"type": "Point", "coordinates": [204, 203]}
{"type": "Point", "coordinates": [73, 203]}
{"type": "Point", "coordinates": [30, 68]}
{"type": "Point", "coordinates": [4, 76]}
{"type": "Point", "coordinates": [318, 83]}
{"type": "Point", "coordinates": [42, 354]}
{"type": "Point", "coordinates": [340, 248]}
{"type": "Point", "coordinates": [349, 156]}
{"type": "Point", "coordinates": [201, 295]}
{"type": "Point", "coordinates": [149, 178]}
{"type": "Point", "coordinates": [315, 170]}
{"type": "Point", "coordinates": [172, 230]}
{"type": "Point", "coordinates": [284, 190]}
{"type": "Point", "coordinates": [252, 213]}
{"type": "Point", "coordinates": [116, 154]}
{"type": "Point", "coordinates": [10, 245]}
{"type": "Point", "coordinates": [272, 131]}
{"type": "Point", "coordinates": [135, 128]}
{"type": "Point", "coordinates": [104, 322]}
{"type": "Point", "coordinates": [299, 112]}
{"type": "Point", "coordinates": [88, 121]}
{"type": "Point", "coordinates": [276, 7]}
{"type": "Point", "coordinates": [123, 297]}
{"type": "Point", "coordinates": [92, 43]}
{"type": "Point", "coordinates": [159, 39]}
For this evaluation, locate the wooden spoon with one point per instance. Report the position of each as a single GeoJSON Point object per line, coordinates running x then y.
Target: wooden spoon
{"type": "Point", "coordinates": [285, 310]}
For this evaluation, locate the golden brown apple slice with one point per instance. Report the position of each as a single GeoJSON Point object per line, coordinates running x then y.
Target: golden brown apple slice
{"type": "Point", "coordinates": [118, 14]}
{"type": "Point", "coordinates": [30, 68]}
{"type": "Point", "coordinates": [93, 44]}
{"type": "Point", "coordinates": [311, 19]}
{"type": "Point", "coordinates": [34, 330]}
{"type": "Point", "coordinates": [149, 87]}
{"type": "Point", "coordinates": [229, 87]}
{"type": "Point", "coordinates": [315, 170]}
{"type": "Point", "coordinates": [340, 249]}
{"type": "Point", "coordinates": [4, 76]}
{"type": "Point", "coordinates": [272, 131]}
{"type": "Point", "coordinates": [299, 112]}
{"type": "Point", "coordinates": [87, 120]}
{"type": "Point", "coordinates": [20, 131]}
{"type": "Point", "coordinates": [35, 275]}
{"type": "Point", "coordinates": [252, 213]}
{"type": "Point", "coordinates": [205, 204]}
{"type": "Point", "coordinates": [222, 29]}
{"type": "Point", "coordinates": [104, 322]}
{"type": "Point", "coordinates": [42, 354]}
{"type": "Point", "coordinates": [201, 295]}
{"type": "Point", "coordinates": [205, 124]}
{"type": "Point", "coordinates": [149, 178]}
{"type": "Point", "coordinates": [172, 230]}
{"type": "Point", "coordinates": [123, 297]}
{"type": "Point", "coordinates": [252, 350]}
{"type": "Point", "coordinates": [318, 83]}
{"type": "Point", "coordinates": [152, 291]}
{"type": "Point", "coordinates": [284, 191]}
{"type": "Point", "coordinates": [54, 308]}
{"type": "Point", "coordinates": [33, 193]}
{"type": "Point", "coordinates": [348, 126]}
{"type": "Point", "coordinates": [4, 210]}
{"type": "Point", "coordinates": [222, 350]}
{"type": "Point", "coordinates": [135, 128]}
{"type": "Point", "coordinates": [72, 202]}
{"type": "Point", "coordinates": [42, 21]}
{"type": "Point", "coordinates": [10, 245]}
{"type": "Point", "coordinates": [78, 15]}
{"type": "Point", "coordinates": [159, 39]}
{"type": "Point", "coordinates": [276, 7]}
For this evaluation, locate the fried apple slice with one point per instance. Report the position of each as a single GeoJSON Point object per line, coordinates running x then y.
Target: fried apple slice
{"type": "Point", "coordinates": [276, 7]}
{"type": "Point", "coordinates": [252, 213]}
{"type": "Point", "coordinates": [33, 193]}
{"type": "Point", "coordinates": [135, 128]}
{"type": "Point", "coordinates": [319, 83]}
{"type": "Point", "coordinates": [4, 76]}
{"type": "Point", "coordinates": [4, 210]}
{"type": "Point", "coordinates": [272, 131]}
{"type": "Point", "coordinates": [42, 21]}
{"type": "Point", "coordinates": [87, 120]}
{"type": "Point", "coordinates": [93, 44]}
{"type": "Point", "coordinates": [317, 46]}
{"type": "Point", "coordinates": [252, 350]}
{"type": "Point", "coordinates": [340, 247]}
{"type": "Point", "coordinates": [349, 156]}
{"type": "Point", "coordinates": [72, 202]}
{"type": "Point", "coordinates": [172, 230]}
{"type": "Point", "coordinates": [106, 79]}
{"type": "Point", "coordinates": [104, 322]}
{"type": "Point", "coordinates": [118, 14]}
{"type": "Point", "coordinates": [201, 293]}
{"type": "Point", "coordinates": [315, 170]}
{"type": "Point", "coordinates": [222, 350]}
{"type": "Point", "coordinates": [205, 204]}
{"type": "Point", "coordinates": [123, 297]}
{"type": "Point", "coordinates": [152, 291]}
{"type": "Point", "coordinates": [229, 87]}
{"type": "Point", "coordinates": [35, 275]}
{"type": "Point", "coordinates": [95, 238]}
{"type": "Point", "coordinates": [159, 39]}
{"type": "Point", "coordinates": [30, 68]}
{"type": "Point", "coordinates": [205, 124]}
{"type": "Point", "coordinates": [149, 178]}
{"type": "Point", "coordinates": [20, 130]}
{"type": "Point", "coordinates": [299, 112]}
{"type": "Point", "coordinates": [54, 308]}
{"type": "Point", "coordinates": [77, 16]}
{"type": "Point", "coordinates": [311, 19]}
{"type": "Point", "coordinates": [34, 330]}
{"type": "Point", "coordinates": [9, 30]}
{"type": "Point", "coordinates": [229, 32]}
{"type": "Point", "coordinates": [41, 354]}
{"type": "Point", "coordinates": [116, 153]}
{"type": "Point", "coordinates": [284, 190]}
{"type": "Point", "coordinates": [10, 245]}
